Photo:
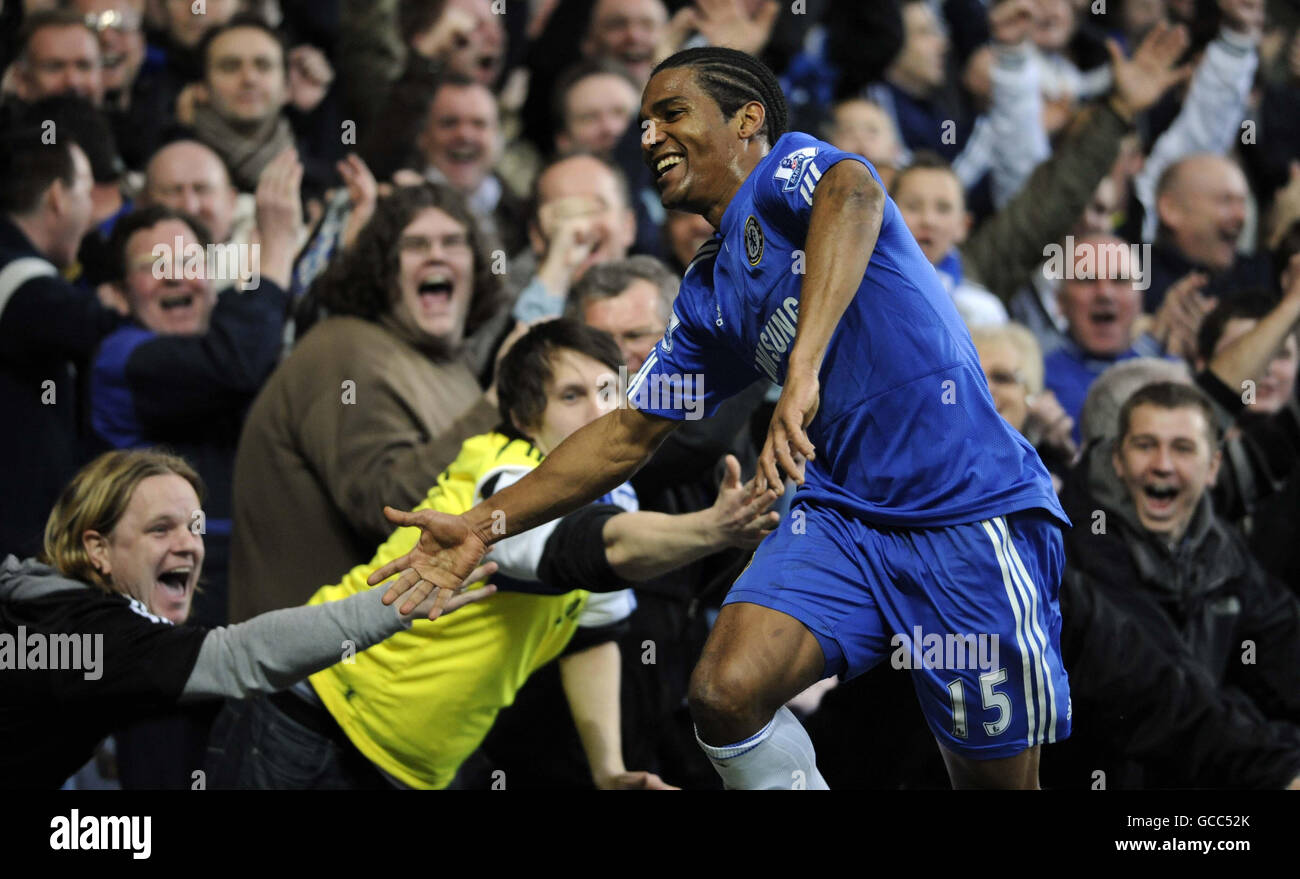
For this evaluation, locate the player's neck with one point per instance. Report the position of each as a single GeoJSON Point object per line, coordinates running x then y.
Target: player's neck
{"type": "Point", "coordinates": [742, 165]}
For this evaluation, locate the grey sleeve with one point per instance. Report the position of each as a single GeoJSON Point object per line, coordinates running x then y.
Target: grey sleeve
{"type": "Point", "coordinates": [535, 303]}
{"type": "Point", "coordinates": [276, 650]}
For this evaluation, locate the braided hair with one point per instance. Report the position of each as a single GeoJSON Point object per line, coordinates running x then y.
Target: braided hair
{"type": "Point", "coordinates": [733, 79]}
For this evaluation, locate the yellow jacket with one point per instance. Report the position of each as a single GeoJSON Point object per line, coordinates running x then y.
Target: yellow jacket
{"type": "Point", "coordinates": [422, 701]}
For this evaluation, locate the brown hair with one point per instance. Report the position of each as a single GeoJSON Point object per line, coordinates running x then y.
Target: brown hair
{"type": "Point", "coordinates": [362, 282]}
{"type": "Point", "coordinates": [96, 499]}
{"type": "Point", "coordinates": [527, 368]}
{"type": "Point", "coordinates": [39, 21]}
{"type": "Point", "coordinates": [1170, 395]}
{"type": "Point", "coordinates": [923, 160]}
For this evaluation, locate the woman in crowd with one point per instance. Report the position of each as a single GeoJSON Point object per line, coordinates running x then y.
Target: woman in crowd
{"type": "Point", "coordinates": [1013, 365]}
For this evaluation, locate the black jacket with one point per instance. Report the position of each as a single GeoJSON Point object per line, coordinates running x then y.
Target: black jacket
{"type": "Point", "coordinates": [48, 329]}
{"type": "Point", "coordinates": [1259, 456]}
{"type": "Point", "coordinates": [1184, 663]}
{"type": "Point", "coordinates": [77, 664]}
{"type": "Point", "coordinates": [1169, 265]}
{"type": "Point", "coordinates": [1258, 489]}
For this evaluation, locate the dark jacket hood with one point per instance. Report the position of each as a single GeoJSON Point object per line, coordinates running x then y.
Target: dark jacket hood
{"type": "Point", "coordinates": [29, 579]}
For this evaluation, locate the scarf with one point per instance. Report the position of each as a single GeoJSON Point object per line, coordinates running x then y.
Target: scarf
{"type": "Point", "coordinates": [245, 151]}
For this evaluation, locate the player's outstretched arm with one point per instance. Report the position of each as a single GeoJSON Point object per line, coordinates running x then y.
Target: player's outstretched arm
{"type": "Point", "coordinates": [591, 462]}
{"type": "Point", "coordinates": [848, 208]}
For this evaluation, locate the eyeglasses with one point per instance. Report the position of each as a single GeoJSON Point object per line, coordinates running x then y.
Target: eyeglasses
{"type": "Point", "coordinates": [114, 19]}
{"type": "Point", "coordinates": [423, 244]}
{"type": "Point", "coordinates": [1005, 377]}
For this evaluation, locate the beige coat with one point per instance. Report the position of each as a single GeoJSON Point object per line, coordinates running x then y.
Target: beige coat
{"type": "Point", "coordinates": [355, 418]}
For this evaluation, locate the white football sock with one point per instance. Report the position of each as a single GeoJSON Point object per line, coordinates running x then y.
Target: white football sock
{"type": "Point", "coordinates": [778, 757]}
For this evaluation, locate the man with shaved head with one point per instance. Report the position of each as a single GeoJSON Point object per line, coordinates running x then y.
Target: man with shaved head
{"type": "Point", "coordinates": [581, 219]}
{"type": "Point", "coordinates": [1201, 206]}
{"type": "Point", "coordinates": [189, 177]}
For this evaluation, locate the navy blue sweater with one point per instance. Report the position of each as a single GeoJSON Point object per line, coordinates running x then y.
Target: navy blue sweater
{"type": "Point", "coordinates": [190, 394]}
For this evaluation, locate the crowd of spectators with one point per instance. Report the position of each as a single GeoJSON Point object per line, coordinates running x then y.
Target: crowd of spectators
{"type": "Point", "coordinates": [292, 244]}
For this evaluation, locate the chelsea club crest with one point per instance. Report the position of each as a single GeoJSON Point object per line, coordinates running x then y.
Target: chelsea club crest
{"type": "Point", "coordinates": [753, 241]}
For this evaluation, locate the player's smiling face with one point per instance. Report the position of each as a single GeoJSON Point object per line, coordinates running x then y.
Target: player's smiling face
{"type": "Point", "coordinates": [696, 154]}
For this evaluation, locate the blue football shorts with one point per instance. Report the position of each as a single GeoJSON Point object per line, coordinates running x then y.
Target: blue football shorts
{"type": "Point", "coordinates": [970, 609]}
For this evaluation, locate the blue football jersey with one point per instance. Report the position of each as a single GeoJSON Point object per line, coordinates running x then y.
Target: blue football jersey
{"type": "Point", "coordinates": [906, 433]}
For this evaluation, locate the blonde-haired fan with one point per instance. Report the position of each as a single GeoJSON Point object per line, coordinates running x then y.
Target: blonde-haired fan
{"type": "Point", "coordinates": [93, 633]}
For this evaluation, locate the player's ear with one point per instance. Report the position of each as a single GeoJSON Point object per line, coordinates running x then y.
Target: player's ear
{"type": "Point", "coordinates": [750, 118]}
